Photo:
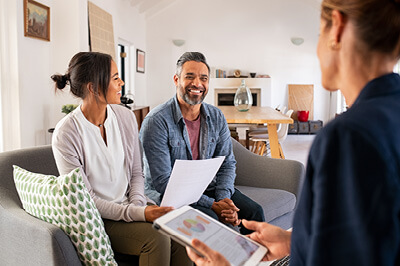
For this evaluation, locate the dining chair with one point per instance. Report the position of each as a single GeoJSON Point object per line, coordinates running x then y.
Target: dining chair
{"type": "Point", "coordinates": [261, 140]}
{"type": "Point", "coordinates": [260, 129]}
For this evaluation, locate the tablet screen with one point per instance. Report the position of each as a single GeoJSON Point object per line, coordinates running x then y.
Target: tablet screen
{"type": "Point", "coordinates": [192, 224]}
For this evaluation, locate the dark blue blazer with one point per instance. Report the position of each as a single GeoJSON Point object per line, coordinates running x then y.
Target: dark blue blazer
{"type": "Point", "coordinates": [349, 208]}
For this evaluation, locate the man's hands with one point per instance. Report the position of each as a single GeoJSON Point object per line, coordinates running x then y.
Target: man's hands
{"type": "Point", "coordinates": [152, 212]}
{"type": "Point", "coordinates": [274, 238]}
{"type": "Point", "coordinates": [226, 211]}
{"type": "Point", "coordinates": [212, 257]}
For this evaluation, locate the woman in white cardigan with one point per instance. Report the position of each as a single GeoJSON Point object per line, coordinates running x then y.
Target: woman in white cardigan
{"type": "Point", "coordinates": [101, 137]}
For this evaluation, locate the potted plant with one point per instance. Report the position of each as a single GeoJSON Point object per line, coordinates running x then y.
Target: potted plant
{"type": "Point", "coordinates": [68, 108]}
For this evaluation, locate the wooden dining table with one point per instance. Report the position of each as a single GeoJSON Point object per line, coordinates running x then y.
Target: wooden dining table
{"type": "Point", "coordinates": [259, 115]}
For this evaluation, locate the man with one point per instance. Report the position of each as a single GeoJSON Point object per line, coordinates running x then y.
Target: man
{"type": "Point", "coordinates": [186, 128]}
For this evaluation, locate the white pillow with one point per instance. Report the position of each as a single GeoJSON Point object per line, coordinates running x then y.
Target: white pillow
{"type": "Point", "coordinates": [65, 202]}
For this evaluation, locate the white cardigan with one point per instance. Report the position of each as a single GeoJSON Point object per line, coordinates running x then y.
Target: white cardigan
{"type": "Point", "coordinates": [70, 153]}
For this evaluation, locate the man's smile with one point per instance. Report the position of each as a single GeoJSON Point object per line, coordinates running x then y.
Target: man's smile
{"type": "Point", "coordinates": [196, 90]}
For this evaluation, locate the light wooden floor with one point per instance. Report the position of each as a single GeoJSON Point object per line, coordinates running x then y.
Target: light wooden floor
{"type": "Point", "coordinates": [296, 147]}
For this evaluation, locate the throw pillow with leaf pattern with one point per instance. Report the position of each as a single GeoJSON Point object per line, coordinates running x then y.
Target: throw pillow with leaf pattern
{"type": "Point", "coordinates": [65, 202]}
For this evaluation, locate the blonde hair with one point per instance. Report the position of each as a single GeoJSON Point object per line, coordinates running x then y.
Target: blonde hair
{"type": "Point", "coordinates": [377, 22]}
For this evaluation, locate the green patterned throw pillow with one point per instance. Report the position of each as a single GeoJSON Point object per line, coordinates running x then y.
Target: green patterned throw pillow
{"type": "Point", "coordinates": [65, 202]}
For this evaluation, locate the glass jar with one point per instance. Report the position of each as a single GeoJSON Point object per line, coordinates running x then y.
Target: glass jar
{"type": "Point", "coordinates": [243, 99]}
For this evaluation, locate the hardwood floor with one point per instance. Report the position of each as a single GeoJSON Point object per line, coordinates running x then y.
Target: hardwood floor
{"type": "Point", "coordinates": [296, 147]}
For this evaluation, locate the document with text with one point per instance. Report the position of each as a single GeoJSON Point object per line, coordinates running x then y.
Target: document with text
{"type": "Point", "coordinates": [189, 179]}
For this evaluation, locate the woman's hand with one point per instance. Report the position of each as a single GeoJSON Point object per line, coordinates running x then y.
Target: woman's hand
{"type": "Point", "coordinates": [274, 238]}
{"type": "Point", "coordinates": [212, 257]}
{"type": "Point", "coordinates": [152, 212]}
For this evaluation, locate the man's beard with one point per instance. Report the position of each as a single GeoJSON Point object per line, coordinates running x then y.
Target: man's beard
{"type": "Point", "coordinates": [184, 94]}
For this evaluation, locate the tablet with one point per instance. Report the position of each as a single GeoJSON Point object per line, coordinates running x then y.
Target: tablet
{"type": "Point", "coordinates": [186, 223]}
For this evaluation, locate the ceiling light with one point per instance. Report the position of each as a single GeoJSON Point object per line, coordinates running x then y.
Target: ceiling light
{"type": "Point", "coordinates": [178, 42]}
{"type": "Point", "coordinates": [297, 40]}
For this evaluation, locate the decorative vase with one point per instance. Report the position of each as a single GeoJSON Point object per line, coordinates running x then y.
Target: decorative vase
{"type": "Point", "coordinates": [302, 116]}
{"type": "Point", "coordinates": [243, 98]}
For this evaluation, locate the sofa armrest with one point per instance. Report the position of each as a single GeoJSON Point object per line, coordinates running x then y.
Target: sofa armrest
{"type": "Point", "coordinates": [26, 240]}
{"type": "Point", "coordinates": [260, 171]}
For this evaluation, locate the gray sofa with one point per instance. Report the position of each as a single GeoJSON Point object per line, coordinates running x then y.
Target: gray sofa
{"type": "Point", "coordinates": [273, 183]}
{"type": "Point", "coordinates": [26, 240]}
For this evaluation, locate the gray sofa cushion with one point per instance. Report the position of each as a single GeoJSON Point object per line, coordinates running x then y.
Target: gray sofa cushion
{"type": "Point", "coordinates": [275, 202]}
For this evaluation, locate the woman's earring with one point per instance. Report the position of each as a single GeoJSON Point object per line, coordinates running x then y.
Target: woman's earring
{"type": "Point", "coordinates": [334, 45]}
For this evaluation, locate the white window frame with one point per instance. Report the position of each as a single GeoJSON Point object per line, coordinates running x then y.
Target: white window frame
{"type": "Point", "coordinates": [10, 131]}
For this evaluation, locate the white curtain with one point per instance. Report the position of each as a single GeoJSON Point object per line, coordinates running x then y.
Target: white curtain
{"type": "Point", "coordinates": [9, 90]}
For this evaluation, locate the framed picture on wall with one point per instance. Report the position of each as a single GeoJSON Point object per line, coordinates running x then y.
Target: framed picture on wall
{"type": "Point", "coordinates": [36, 20]}
{"type": "Point", "coordinates": [140, 59]}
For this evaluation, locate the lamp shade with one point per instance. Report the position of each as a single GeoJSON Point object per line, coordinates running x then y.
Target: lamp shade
{"type": "Point", "coordinates": [297, 40]}
{"type": "Point", "coordinates": [178, 42]}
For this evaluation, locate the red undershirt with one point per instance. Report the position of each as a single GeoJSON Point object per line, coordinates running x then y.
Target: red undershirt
{"type": "Point", "coordinates": [193, 128]}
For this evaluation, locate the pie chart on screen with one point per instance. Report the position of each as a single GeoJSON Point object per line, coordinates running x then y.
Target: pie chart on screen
{"type": "Point", "coordinates": [194, 225]}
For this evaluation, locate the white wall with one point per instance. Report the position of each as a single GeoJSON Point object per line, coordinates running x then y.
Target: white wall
{"type": "Point", "coordinates": [40, 108]}
{"type": "Point", "coordinates": [253, 36]}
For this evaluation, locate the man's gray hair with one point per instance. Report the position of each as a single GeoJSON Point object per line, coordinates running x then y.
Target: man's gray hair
{"type": "Point", "coordinates": [190, 56]}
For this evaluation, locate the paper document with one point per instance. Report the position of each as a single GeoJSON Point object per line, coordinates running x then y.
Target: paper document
{"type": "Point", "coordinates": [188, 180]}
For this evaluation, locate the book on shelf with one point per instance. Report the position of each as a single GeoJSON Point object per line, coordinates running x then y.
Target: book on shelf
{"type": "Point", "coordinates": [219, 73]}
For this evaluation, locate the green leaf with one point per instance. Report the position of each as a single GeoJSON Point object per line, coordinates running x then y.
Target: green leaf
{"type": "Point", "coordinates": [68, 230]}
{"type": "Point", "coordinates": [89, 226]}
{"type": "Point", "coordinates": [66, 211]}
{"type": "Point", "coordinates": [80, 196]}
{"type": "Point", "coordinates": [96, 244]}
{"type": "Point", "coordinates": [88, 256]}
{"type": "Point", "coordinates": [89, 246]}
{"type": "Point", "coordinates": [72, 187]}
{"type": "Point", "coordinates": [66, 190]}
{"type": "Point", "coordinates": [73, 200]}
{"type": "Point", "coordinates": [81, 208]}
{"type": "Point", "coordinates": [59, 203]}
{"type": "Point", "coordinates": [82, 229]}
{"type": "Point", "coordinates": [96, 255]}
{"type": "Point", "coordinates": [96, 223]}
{"type": "Point", "coordinates": [67, 221]}
{"type": "Point", "coordinates": [81, 248]}
{"type": "Point", "coordinates": [73, 237]}
{"type": "Point", "coordinates": [82, 218]}
{"type": "Point", "coordinates": [74, 210]}
{"type": "Point", "coordinates": [67, 108]}
{"type": "Point", "coordinates": [89, 215]}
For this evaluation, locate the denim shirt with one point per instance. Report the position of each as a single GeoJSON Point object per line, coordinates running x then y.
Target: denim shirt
{"type": "Point", "coordinates": [165, 139]}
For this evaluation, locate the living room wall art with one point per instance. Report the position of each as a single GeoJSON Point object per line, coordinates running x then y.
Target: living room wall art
{"type": "Point", "coordinates": [140, 59]}
{"type": "Point", "coordinates": [101, 30]}
{"type": "Point", "coordinates": [36, 20]}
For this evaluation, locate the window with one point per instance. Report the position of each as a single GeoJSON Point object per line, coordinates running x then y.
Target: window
{"type": "Point", "coordinates": [126, 61]}
{"type": "Point", "coordinates": [121, 65]}
{"type": "Point", "coordinates": [10, 136]}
